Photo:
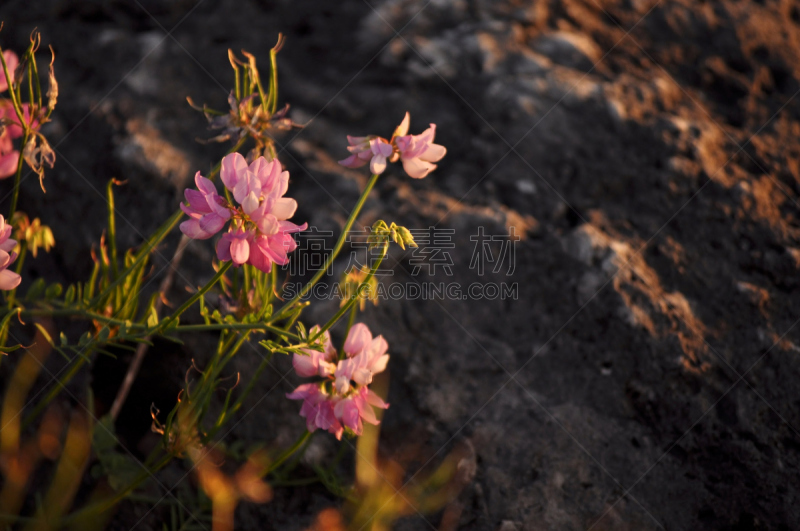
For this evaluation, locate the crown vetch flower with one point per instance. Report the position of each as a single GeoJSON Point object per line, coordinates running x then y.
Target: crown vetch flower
{"type": "Point", "coordinates": [317, 409]}
{"type": "Point", "coordinates": [8, 279]}
{"type": "Point", "coordinates": [417, 152]}
{"type": "Point", "coordinates": [372, 149]}
{"type": "Point", "coordinates": [258, 187]}
{"type": "Point", "coordinates": [12, 61]}
{"type": "Point", "coordinates": [259, 233]}
{"type": "Point", "coordinates": [11, 129]}
{"type": "Point", "coordinates": [342, 400]}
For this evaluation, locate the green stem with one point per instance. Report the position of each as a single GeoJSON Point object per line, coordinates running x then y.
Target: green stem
{"type": "Point", "coordinates": [11, 297]}
{"type": "Point", "coordinates": [194, 298]}
{"type": "Point", "coordinates": [289, 451]}
{"type": "Point", "coordinates": [18, 176]}
{"type": "Point", "coordinates": [351, 319]}
{"type": "Point", "coordinates": [141, 256]}
{"type": "Point", "coordinates": [240, 400]}
{"type": "Point", "coordinates": [352, 302]}
{"type": "Point", "coordinates": [337, 248]}
{"type": "Point", "coordinates": [237, 326]}
{"type": "Point", "coordinates": [14, 99]}
{"type": "Point", "coordinates": [112, 228]}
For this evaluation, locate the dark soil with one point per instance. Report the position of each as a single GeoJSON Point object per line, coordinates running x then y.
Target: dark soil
{"type": "Point", "coordinates": [647, 155]}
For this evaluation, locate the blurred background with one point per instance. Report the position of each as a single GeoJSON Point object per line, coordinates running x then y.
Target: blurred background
{"type": "Point", "coordinates": [632, 167]}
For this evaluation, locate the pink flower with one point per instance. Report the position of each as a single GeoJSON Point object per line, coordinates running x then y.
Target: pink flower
{"type": "Point", "coordinates": [8, 279]}
{"type": "Point", "coordinates": [12, 61]}
{"type": "Point", "coordinates": [259, 233]}
{"type": "Point", "coordinates": [357, 407]}
{"type": "Point", "coordinates": [365, 357]}
{"type": "Point", "coordinates": [314, 362]}
{"type": "Point", "coordinates": [418, 152]}
{"type": "Point", "coordinates": [368, 148]}
{"type": "Point", "coordinates": [317, 409]}
{"type": "Point", "coordinates": [272, 243]}
{"type": "Point", "coordinates": [344, 389]}
{"type": "Point", "coordinates": [259, 187]}
{"type": "Point", "coordinates": [9, 157]}
{"type": "Point", "coordinates": [207, 211]}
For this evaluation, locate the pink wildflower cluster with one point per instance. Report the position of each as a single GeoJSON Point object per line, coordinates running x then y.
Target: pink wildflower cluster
{"type": "Point", "coordinates": [417, 152]}
{"type": "Point", "coordinates": [8, 279]}
{"type": "Point", "coordinates": [258, 233]}
{"type": "Point", "coordinates": [9, 121]}
{"type": "Point", "coordinates": [343, 399]}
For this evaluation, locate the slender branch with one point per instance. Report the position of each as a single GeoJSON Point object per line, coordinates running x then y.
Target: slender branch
{"type": "Point", "coordinates": [352, 302]}
{"type": "Point", "coordinates": [141, 349]}
{"type": "Point", "coordinates": [289, 451]}
{"type": "Point", "coordinates": [337, 248]}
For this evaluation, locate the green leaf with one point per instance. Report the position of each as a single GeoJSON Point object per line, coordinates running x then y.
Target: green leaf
{"type": "Point", "coordinates": [152, 318]}
{"type": "Point", "coordinates": [36, 290]}
{"type": "Point", "coordinates": [53, 291]}
{"type": "Point", "coordinates": [69, 297]}
{"type": "Point", "coordinates": [85, 339]}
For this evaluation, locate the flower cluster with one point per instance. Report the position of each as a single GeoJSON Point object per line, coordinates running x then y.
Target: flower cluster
{"type": "Point", "coordinates": [8, 279]}
{"type": "Point", "coordinates": [343, 399]}
{"type": "Point", "coordinates": [259, 233]}
{"type": "Point", "coordinates": [37, 151]}
{"type": "Point", "coordinates": [417, 152]}
{"type": "Point", "coordinates": [9, 157]}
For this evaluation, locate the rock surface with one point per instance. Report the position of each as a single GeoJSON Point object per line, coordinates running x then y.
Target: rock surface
{"type": "Point", "coordinates": [645, 153]}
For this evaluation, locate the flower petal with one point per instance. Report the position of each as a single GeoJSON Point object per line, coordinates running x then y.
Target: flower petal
{"type": "Point", "coordinates": [233, 167]}
{"type": "Point", "coordinates": [417, 168]}
{"type": "Point", "coordinates": [402, 129]}
{"type": "Point", "coordinates": [250, 203]}
{"type": "Point", "coordinates": [9, 280]}
{"type": "Point", "coordinates": [434, 153]}
{"type": "Point", "coordinates": [284, 208]}
{"type": "Point", "coordinates": [377, 165]}
{"type": "Point", "coordinates": [212, 223]}
{"type": "Point", "coordinates": [353, 161]}
{"type": "Point", "coordinates": [191, 228]}
{"type": "Point", "coordinates": [258, 258]}
{"type": "Point", "coordinates": [224, 247]}
{"type": "Point", "coordinates": [8, 164]}
{"type": "Point", "coordinates": [240, 251]}
{"type": "Point", "coordinates": [357, 340]}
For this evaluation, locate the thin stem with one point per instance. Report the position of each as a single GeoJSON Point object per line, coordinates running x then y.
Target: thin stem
{"type": "Point", "coordinates": [351, 303]}
{"type": "Point", "coordinates": [289, 451]}
{"type": "Point", "coordinates": [11, 92]}
{"type": "Point", "coordinates": [11, 297]}
{"type": "Point", "coordinates": [194, 298]}
{"type": "Point", "coordinates": [18, 175]}
{"type": "Point", "coordinates": [337, 248]}
{"type": "Point", "coordinates": [237, 326]}
{"type": "Point", "coordinates": [84, 314]}
{"type": "Point", "coordinates": [351, 319]}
